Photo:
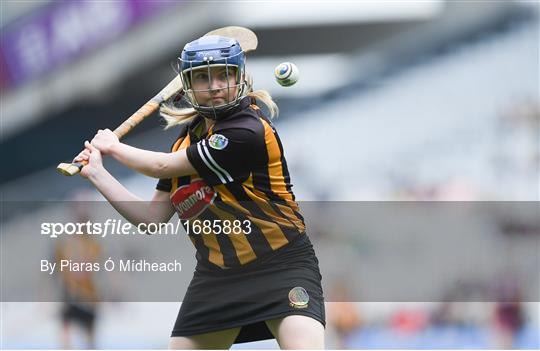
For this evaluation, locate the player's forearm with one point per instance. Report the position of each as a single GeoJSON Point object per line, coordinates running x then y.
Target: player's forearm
{"type": "Point", "coordinates": [149, 163]}
{"type": "Point", "coordinates": [153, 164]}
{"type": "Point", "coordinates": [126, 203]}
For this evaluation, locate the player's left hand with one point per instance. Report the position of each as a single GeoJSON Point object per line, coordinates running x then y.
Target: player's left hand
{"type": "Point", "coordinates": [104, 141]}
{"type": "Point", "coordinates": [91, 155]}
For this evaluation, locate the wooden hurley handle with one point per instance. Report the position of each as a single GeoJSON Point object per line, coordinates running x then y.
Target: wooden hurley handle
{"type": "Point", "coordinates": [136, 118]}
{"type": "Point", "coordinates": [174, 87]}
{"type": "Point", "coordinates": [70, 169]}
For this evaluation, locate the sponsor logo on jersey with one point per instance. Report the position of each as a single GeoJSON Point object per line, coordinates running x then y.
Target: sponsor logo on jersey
{"type": "Point", "coordinates": [218, 141]}
{"type": "Point", "coordinates": [192, 199]}
{"type": "Point", "coordinates": [298, 297]}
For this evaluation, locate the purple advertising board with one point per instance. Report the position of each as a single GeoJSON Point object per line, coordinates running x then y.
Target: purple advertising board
{"type": "Point", "coordinates": [59, 33]}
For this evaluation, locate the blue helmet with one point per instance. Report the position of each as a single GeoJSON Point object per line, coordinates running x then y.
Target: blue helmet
{"type": "Point", "coordinates": [213, 51]}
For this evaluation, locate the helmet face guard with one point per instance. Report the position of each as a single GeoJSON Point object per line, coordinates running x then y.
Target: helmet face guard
{"type": "Point", "coordinates": [208, 52]}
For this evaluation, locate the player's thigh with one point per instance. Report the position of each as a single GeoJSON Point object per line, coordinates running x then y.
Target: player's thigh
{"type": "Point", "coordinates": [222, 339]}
{"type": "Point", "coordinates": [297, 332]}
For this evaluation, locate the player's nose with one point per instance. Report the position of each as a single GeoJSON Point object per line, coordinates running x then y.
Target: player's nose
{"type": "Point", "coordinates": [217, 83]}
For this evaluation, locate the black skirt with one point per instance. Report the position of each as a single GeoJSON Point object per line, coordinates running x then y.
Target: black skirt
{"type": "Point", "coordinates": [286, 282]}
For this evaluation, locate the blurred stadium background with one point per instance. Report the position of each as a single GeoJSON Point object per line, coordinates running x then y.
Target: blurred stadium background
{"type": "Point", "coordinates": [414, 100]}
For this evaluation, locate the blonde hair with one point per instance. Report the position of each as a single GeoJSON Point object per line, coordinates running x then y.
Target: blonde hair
{"type": "Point", "coordinates": [176, 116]}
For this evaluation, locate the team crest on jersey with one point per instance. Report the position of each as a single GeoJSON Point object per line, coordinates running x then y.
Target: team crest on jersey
{"type": "Point", "coordinates": [298, 297]}
{"type": "Point", "coordinates": [192, 199]}
{"type": "Point", "coordinates": [218, 141]}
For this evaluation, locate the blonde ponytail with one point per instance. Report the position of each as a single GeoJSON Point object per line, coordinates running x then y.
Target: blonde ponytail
{"type": "Point", "coordinates": [175, 116]}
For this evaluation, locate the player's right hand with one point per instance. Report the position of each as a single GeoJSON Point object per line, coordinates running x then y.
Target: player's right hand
{"type": "Point", "coordinates": [91, 155]}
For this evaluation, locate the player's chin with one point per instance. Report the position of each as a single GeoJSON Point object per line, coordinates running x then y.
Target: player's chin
{"type": "Point", "coordinates": [216, 102]}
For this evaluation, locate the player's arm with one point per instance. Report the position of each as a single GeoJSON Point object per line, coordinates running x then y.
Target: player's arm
{"type": "Point", "coordinates": [153, 164]}
{"type": "Point", "coordinates": [130, 206]}
{"type": "Point", "coordinates": [135, 210]}
{"type": "Point", "coordinates": [150, 163]}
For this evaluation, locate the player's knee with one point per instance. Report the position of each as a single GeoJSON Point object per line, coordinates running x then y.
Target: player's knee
{"type": "Point", "coordinates": [300, 332]}
{"type": "Point", "coordinates": [181, 343]}
{"type": "Point", "coordinates": [309, 342]}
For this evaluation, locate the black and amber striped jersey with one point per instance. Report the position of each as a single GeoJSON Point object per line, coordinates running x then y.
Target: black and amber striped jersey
{"type": "Point", "coordinates": [242, 181]}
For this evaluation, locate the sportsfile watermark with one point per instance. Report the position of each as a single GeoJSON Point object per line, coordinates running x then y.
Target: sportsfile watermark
{"type": "Point", "coordinates": [378, 251]}
{"type": "Point", "coordinates": [121, 227]}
